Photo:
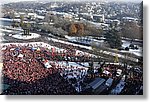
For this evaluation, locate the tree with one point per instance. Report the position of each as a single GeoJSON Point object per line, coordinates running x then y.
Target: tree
{"type": "Point", "coordinates": [80, 28]}
{"type": "Point", "coordinates": [113, 38]}
{"type": "Point", "coordinates": [51, 18]}
{"type": "Point", "coordinates": [16, 24]}
{"type": "Point", "coordinates": [28, 26]}
{"type": "Point", "coordinates": [21, 21]}
{"type": "Point", "coordinates": [72, 29]}
{"type": "Point", "coordinates": [91, 30]}
{"type": "Point", "coordinates": [131, 30]}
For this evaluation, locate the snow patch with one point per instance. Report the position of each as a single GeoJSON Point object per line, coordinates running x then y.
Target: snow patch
{"type": "Point", "coordinates": [26, 37]}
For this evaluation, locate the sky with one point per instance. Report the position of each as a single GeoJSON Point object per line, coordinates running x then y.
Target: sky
{"type": "Point", "coordinates": [8, 1]}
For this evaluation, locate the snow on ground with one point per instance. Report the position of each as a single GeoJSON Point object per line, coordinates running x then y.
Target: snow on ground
{"type": "Point", "coordinates": [2, 39]}
{"type": "Point", "coordinates": [119, 55]}
{"type": "Point", "coordinates": [136, 52]}
{"type": "Point", "coordinates": [34, 35]}
{"type": "Point", "coordinates": [68, 43]}
{"type": "Point", "coordinates": [35, 44]}
{"type": "Point", "coordinates": [70, 64]}
{"type": "Point", "coordinates": [7, 19]}
{"type": "Point", "coordinates": [26, 37]}
{"type": "Point", "coordinates": [131, 39]}
{"type": "Point", "coordinates": [16, 28]}
{"type": "Point", "coordinates": [10, 29]}
{"type": "Point", "coordinates": [90, 48]}
{"type": "Point", "coordinates": [5, 30]}
{"type": "Point", "coordinates": [86, 40]}
{"type": "Point", "coordinates": [99, 42]}
{"type": "Point", "coordinates": [125, 43]}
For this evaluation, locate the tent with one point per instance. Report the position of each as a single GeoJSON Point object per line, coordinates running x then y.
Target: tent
{"type": "Point", "coordinates": [20, 55]}
{"type": "Point", "coordinates": [46, 64]}
{"type": "Point", "coordinates": [106, 72]}
{"type": "Point", "coordinates": [38, 49]}
{"type": "Point", "coordinates": [12, 49]}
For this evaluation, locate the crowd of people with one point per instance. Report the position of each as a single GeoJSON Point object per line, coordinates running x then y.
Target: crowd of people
{"type": "Point", "coordinates": [23, 63]}
{"type": "Point", "coordinates": [53, 84]}
{"type": "Point", "coordinates": [24, 70]}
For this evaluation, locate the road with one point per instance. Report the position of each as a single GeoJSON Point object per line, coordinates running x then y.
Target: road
{"type": "Point", "coordinates": [103, 53]}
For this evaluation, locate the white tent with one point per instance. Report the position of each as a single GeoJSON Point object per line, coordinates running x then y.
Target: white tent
{"type": "Point", "coordinates": [20, 55]}
{"type": "Point", "coordinates": [12, 49]}
{"type": "Point", "coordinates": [106, 72]}
{"type": "Point", "coordinates": [47, 65]}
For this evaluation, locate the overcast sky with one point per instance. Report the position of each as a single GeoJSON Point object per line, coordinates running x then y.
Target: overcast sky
{"type": "Point", "coordinates": [7, 1]}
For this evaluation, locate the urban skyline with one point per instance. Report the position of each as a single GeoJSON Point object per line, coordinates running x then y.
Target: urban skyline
{"type": "Point", "coordinates": [9, 1]}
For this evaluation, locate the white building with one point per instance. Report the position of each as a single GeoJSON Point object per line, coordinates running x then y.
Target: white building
{"type": "Point", "coordinates": [87, 16]}
{"type": "Point", "coordinates": [98, 18]}
{"type": "Point", "coordinates": [129, 19]}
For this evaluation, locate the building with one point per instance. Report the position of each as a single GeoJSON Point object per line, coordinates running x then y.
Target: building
{"type": "Point", "coordinates": [129, 19]}
{"type": "Point", "coordinates": [115, 22]}
{"type": "Point", "coordinates": [97, 86]}
{"type": "Point", "coordinates": [86, 16]}
{"type": "Point", "coordinates": [98, 18]}
{"type": "Point", "coordinates": [112, 23]}
{"type": "Point", "coordinates": [32, 15]}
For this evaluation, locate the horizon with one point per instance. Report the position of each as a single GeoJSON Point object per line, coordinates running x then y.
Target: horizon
{"type": "Point", "coordinates": [14, 1]}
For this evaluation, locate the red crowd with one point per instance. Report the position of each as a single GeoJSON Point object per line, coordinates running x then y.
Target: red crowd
{"type": "Point", "coordinates": [26, 68]}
